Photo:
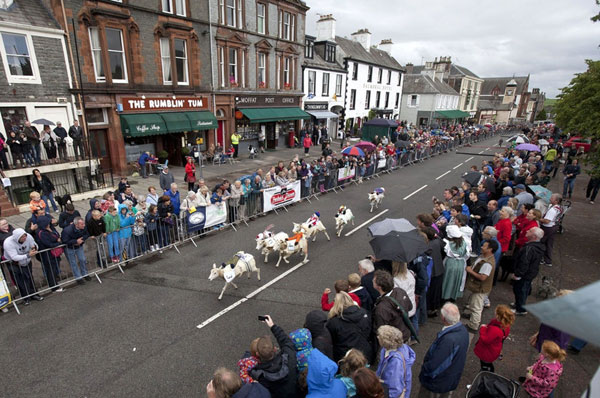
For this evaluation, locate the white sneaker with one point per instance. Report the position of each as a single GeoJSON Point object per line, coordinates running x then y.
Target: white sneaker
{"type": "Point", "coordinates": [59, 290]}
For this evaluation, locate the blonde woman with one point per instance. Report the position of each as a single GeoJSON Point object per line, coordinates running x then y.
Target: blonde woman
{"type": "Point", "coordinates": [405, 280]}
{"type": "Point", "coordinates": [395, 361]}
{"type": "Point", "coordinates": [203, 196]}
{"type": "Point", "coordinates": [349, 326]}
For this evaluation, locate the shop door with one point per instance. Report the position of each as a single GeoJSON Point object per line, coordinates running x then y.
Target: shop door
{"type": "Point", "coordinates": [221, 133]}
{"type": "Point", "coordinates": [98, 143]}
{"type": "Point", "coordinates": [172, 144]}
{"type": "Point", "coordinates": [271, 138]}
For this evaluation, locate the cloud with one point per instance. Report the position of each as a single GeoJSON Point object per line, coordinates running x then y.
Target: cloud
{"type": "Point", "coordinates": [548, 40]}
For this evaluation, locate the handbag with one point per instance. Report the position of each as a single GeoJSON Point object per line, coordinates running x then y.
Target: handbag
{"type": "Point", "coordinates": [57, 251]}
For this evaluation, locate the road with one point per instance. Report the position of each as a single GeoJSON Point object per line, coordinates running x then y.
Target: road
{"type": "Point", "coordinates": [136, 333]}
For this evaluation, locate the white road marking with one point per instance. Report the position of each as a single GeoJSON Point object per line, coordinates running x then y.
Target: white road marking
{"type": "Point", "coordinates": [457, 166]}
{"type": "Point", "coordinates": [249, 296]}
{"type": "Point", "coordinates": [366, 222]}
{"type": "Point", "coordinates": [487, 149]}
{"type": "Point", "coordinates": [480, 152]}
{"type": "Point", "coordinates": [468, 159]}
{"type": "Point", "coordinates": [443, 175]}
{"type": "Point", "coordinates": [423, 187]}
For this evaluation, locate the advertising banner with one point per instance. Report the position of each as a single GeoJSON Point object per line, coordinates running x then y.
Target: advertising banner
{"type": "Point", "coordinates": [346, 173]}
{"type": "Point", "coordinates": [203, 217]}
{"type": "Point", "coordinates": [280, 196]}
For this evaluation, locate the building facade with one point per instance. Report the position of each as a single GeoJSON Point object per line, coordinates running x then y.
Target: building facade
{"type": "Point", "coordinates": [504, 100]}
{"type": "Point", "coordinates": [426, 101]}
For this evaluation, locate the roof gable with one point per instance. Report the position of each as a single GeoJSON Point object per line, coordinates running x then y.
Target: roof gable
{"type": "Point", "coordinates": [28, 13]}
{"type": "Point", "coordinates": [354, 50]}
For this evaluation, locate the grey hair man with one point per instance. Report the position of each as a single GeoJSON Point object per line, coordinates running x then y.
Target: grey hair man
{"type": "Point", "coordinates": [527, 266]}
{"type": "Point", "coordinates": [549, 224]}
{"type": "Point", "coordinates": [366, 270]}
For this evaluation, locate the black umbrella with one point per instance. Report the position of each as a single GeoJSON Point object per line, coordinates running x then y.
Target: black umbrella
{"type": "Point", "coordinates": [403, 144]}
{"type": "Point", "coordinates": [473, 178]}
{"type": "Point", "coordinates": [44, 122]}
{"type": "Point", "coordinates": [399, 246]}
{"type": "Point", "coordinates": [390, 224]}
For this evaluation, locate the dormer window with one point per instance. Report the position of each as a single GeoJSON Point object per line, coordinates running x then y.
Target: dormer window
{"type": "Point", "coordinates": [330, 53]}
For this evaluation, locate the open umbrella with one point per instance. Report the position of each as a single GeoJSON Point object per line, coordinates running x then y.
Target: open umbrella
{"type": "Point", "coordinates": [353, 151]}
{"type": "Point", "coordinates": [473, 178]}
{"type": "Point", "coordinates": [528, 147]}
{"type": "Point", "coordinates": [398, 246]}
{"type": "Point", "coordinates": [365, 146]}
{"type": "Point", "coordinates": [390, 224]}
{"type": "Point", "coordinates": [403, 144]}
{"type": "Point", "coordinates": [43, 121]}
{"type": "Point", "coordinates": [541, 192]}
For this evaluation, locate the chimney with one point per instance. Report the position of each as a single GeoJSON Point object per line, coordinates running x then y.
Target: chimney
{"type": "Point", "coordinates": [363, 36]}
{"type": "Point", "coordinates": [326, 28]}
{"type": "Point", "coordinates": [409, 68]}
{"type": "Point", "coordinates": [386, 45]}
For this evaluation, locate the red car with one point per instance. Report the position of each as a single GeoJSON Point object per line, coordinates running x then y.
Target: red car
{"type": "Point", "coordinates": [586, 143]}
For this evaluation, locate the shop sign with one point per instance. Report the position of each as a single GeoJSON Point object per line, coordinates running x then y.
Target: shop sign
{"type": "Point", "coordinates": [261, 101]}
{"type": "Point", "coordinates": [316, 106]}
{"type": "Point", "coordinates": [163, 103]}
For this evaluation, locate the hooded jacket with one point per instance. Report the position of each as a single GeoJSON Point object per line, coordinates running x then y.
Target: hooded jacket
{"type": "Point", "coordinates": [321, 379]}
{"type": "Point", "coordinates": [491, 337]}
{"type": "Point", "coordinates": [67, 218]}
{"type": "Point", "coordinates": [385, 312]}
{"type": "Point", "coordinates": [47, 239]}
{"type": "Point", "coordinates": [6, 235]}
{"type": "Point", "coordinates": [321, 338]}
{"type": "Point", "coordinates": [527, 261]}
{"type": "Point", "coordinates": [16, 251]}
{"type": "Point", "coordinates": [92, 207]}
{"type": "Point", "coordinates": [392, 370]}
{"type": "Point", "coordinates": [279, 374]}
{"type": "Point", "coordinates": [125, 222]}
{"type": "Point", "coordinates": [111, 223]}
{"type": "Point", "coordinates": [364, 298]}
{"type": "Point", "coordinates": [350, 330]}
{"type": "Point", "coordinates": [252, 390]}
{"type": "Point", "coordinates": [302, 340]}
{"type": "Point", "coordinates": [70, 235]}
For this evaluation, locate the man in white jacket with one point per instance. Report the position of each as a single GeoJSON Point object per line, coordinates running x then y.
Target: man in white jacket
{"type": "Point", "coordinates": [18, 249]}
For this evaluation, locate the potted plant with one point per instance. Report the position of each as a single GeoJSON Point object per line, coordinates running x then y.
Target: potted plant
{"type": "Point", "coordinates": [162, 156]}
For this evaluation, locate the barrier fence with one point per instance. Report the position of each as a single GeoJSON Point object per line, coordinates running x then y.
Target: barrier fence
{"type": "Point", "coordinates": [52, 268]}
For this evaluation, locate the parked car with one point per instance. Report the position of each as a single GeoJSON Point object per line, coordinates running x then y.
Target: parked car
{"type": "Point", "coordinates": [586, 143]}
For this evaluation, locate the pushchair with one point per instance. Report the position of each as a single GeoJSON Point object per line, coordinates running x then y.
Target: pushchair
{"type": "Point", "coordinates": [565, 206]}
{"type": "Point", "coordinates": [492, 385]}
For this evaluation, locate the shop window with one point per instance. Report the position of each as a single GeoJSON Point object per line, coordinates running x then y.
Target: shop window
{"type": "Point", "coordinates": [19, 59]}
{"type": "Point", "coordinates": [96, 116]}
{"type": "Point", "coordinates": [13, 118]}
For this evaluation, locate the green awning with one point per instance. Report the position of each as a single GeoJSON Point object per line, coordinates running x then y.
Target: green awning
{"type": "Point", "coordinates": [142, 124]}
{"type": "Point", "coordinates": [262, 115]}
{"type": "Point", "coordinates": [176, 122]}
{"type": "Point", "coordinates": [202, 120]}
{"type": "Point", "coordinates": [452, 114]}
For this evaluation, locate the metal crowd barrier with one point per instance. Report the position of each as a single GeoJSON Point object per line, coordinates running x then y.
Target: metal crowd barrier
{"type": "Point", "coordinates": [47, 272]}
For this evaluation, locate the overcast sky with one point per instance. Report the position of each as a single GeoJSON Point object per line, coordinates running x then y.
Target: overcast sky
{"type": "Point", "coordinates": [548, 39]}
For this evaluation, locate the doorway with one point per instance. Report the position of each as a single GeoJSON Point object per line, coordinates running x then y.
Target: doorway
{"type": "Point", "coordinates": [221, 133]}
{"type": "Point", "coordinates": [271, 136]}
{"type": "Point", "coordinates": [98, 145]}
{"type": "Point", "coordinates": [172, 144]}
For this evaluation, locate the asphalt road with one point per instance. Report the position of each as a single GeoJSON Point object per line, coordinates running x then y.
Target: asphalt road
{"type": "Point", "coordinates": [136, 333]}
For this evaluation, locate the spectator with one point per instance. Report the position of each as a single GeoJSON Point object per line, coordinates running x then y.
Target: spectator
{"type": "Point", "coordinates": [302, 340]}
{"type": "Point", "coordinates": [479, 282]}
{"type": "Point", "coordinates": [173, 195]}
{"type": "Point", "coordinates": [542, 377]}
{"type": "Point", "coordinates": [16, 148]}
{"type": "Point", "coordinates": [395, 361]}
{"type": "Point", "coordinates": [493, 213]}
{"type": "Point", "coordinates": [6, 231]}
{"type": "Point", "coordinates": [166, 179]}
{"type": "Point", "coordinates": [32, 135]}
{"type": "Point", "coordinates": [94, 205]}
{"type": "Point", "coordinates": [349, 326]}
{"type": "Point", "coordinates": [321, 338]}
{"type": "Point", "coordinates": [235, 201]}
{"type": "Point", "coordinates": [434, 291]}
{"type": "Point", "coordinates": [128, 194]}
{"type": "Point", "coordinates": [491, 337]}
{"type": "Point", "coordinates": [165, 216]}
{"type": "Point", "coordinates": [152, 197]}
{"type": "Point", "coordinates": [527, 265]}
{"type": "Point", "coordinates": [123, 183]}
{"type": "Point", "coordinates": [522, 196]}
{"type": "Point", "coordinates": [507, 193]}
{"type": "Point", "coordinates": [108, 200]}
{"type": "Point", "coordinates": [49, 240]}
{"type": "Point", "coordinates": [361, 293]}
{"type": "Point", "coordinates": [504, 228]}
{"type": "Point", "coordinates": [190, 173]}
{"type": "Point", "coordinates": [405, 280]}
{"type": "Point", "coordinates": [226, 384]}
{"type": "Point", "coordinates": [142, 160]}
{"type": "Point", "coordinates": [392, 306]}
{"type": "Point", "coordinates": [74, 237]}
{"type": "Point", "coordinates": [455, 263]}
{"type": "Point", "coordinates": [444, 362]}
{"type": "Point", "coordinates": [76, 133]}
{"type": "Point", "coordinates": [152, 220]}
{"type": "Point", "coordinates": [18, 250]}
{"type": "Point", "coordinates": [49, 140]}
{"type": "Point", "coordinates": [352, 361]}
{"type": "Point", "coordinates": [591, 191]}
{"type": "Point", "coordinates": [549, 226]}
{"type": "Point", "coordinates": [531, 220]}
{"type": "Point", "coordinates": [97, 227]}
{"type": "Point", "coordinates": [190, 202]}
{"type": "Point", "coordinates": [112, 222]}
{"type": "Point", "coordinates": [547, 332]}
{"type": "Point", "coordinates": [66, 217]}
{"type": "Point", "coordinates": [28, 151]}
{"type": "Point", "coordinates": [36, 202]}
{"type": "Point", "coordinates": [320, 378]}
{"type": "Point", "coordinates": [366, 270]}
{"type": "Point", "coordinates": [61, 134]}
{"type": "Point", "coordinates": [307, 142]}
{"type": "Point", "coordinates": [368, 384]}
{"type": "Point", "coordinates": [126, 221]}
{"type": "Point", "coordinates": [340, 285]}
{"type": "Point", "coordinates": [270, 372]}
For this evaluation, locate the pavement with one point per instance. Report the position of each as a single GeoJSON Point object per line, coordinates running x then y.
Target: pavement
{"type": "Point", "coordinates": [136, 334]}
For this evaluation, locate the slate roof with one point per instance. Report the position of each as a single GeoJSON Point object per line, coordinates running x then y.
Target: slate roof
{"type": "Point", "coordinates": [461, 70]}
{"type": "Point", "coordinates": [29, 12]}
{"type": "Point", "coordinates": [320, 63]}
{"type": "Point", "coordinates": [489, 83]}
{"type": "Point", "coordinates": [492, 105]}
{"type": "Point", "coordinates": [422, 84]}
{"type": "Point", "coordinates": [354, 50]}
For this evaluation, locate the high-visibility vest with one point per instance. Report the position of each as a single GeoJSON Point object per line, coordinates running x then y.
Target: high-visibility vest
{"type": "Point", "coordinates": [235, 139]}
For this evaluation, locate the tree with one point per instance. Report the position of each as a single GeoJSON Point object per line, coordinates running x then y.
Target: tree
{"type": "Point", "coordinates": [541, 115]}
{"type": "Point", "coordinates": [596, 17]}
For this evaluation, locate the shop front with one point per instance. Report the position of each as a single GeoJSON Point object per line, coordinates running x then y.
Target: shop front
{"type": "Point", "coordinates": [168, 127]}
{"type": "Point", "coordinates": [276, 117]}
{"type": "Point", "coordinates": [321, 116]}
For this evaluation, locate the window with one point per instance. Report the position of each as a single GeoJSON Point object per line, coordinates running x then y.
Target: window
{"type": "Point", "coordinates": [243, 68]}
{"type": "Point", "coordinates": [309, 48]}
{"type": "Point", "coordinates": [96, 116]}
{"type": "Point", "coordinates": [380, 76]}
{"type": "Point", "coordinates": [352, 98]}
{"type": "Point", "coordinates": [262, 70]}
{"type": "Point", "coordinates": [368, 100]}
{"type": "Point", "coordinates": [286, 72]}
{"type": "Point", "coordinates": [338, 85]}
{"type": "Point", "coordinates": [230, 12]}
{"type": "Point", "coordinates": [180, 7]}
{"type": "Point", "coordinates": [97, 54]}
{"type": "Point", "coordinates": [116, 55]}
{"type": "Point", "coordinates": [165, 56]}
{"type": "Point", "coordinates": [167, 6]}
{"type": "Point", "coordinates": [19, 59]}
{"type": "Point", "coordinates": [389, 81]}
{"type": "Point", "coordinates": [370, 74]}
{"type": "Point", "coordinates": [325, 84]}
{"type": "Point", "coordinates": [330, 53]}
{"type": "Point", "coordinates": [261, 18]}
{"type": "Point", "coordinates": [399, 78]}
{"type": "Point", "coordinates": [377, 98]}
{"type": "Point", "coordinates": [354, 71]}
{"type": "Point", "coordinates": [222, 12]}
{"type": "Point", "coordinates": [287, 25]}
{"type": "Point", "coordinates": [414, 100]}
{"type": "Point", "coordinates": [278, 72]}
{"type": "Point", "coordinates": [312, 77]}
{"type": "Point", "coordinates": [397, 100]}
{"type": "Point", "coordinates": [222, 65]}
{"type": "Point", "coordinates": [387, 99]}
{"type": "Point", "coordinates": [181, 63]}
{"type": "Point", "coordinates": [240, 15]}
{"type": "Point", "coordinates": [233, 71]}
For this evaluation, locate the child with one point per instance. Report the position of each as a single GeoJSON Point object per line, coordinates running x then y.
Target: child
{"type": "Point", "coordinates": [36, 202]}
{"type": "Point", "coordinates": [126, 220]}
{"type": "Point", "coordinates": [352, 361]}
{"type": "Point", "coordinates": [363, 295]}
{"type": "Point", "coordinates": [108, 200]}
{"type": "Point", "coordinates": [341, 285]}
{"type": "Point", "coordinates": [302, 340]}
{"type": "Point", "coordinates": [141, 207]}
{"type": "Point", "coordinates": [248, 363]}
{"type": "Point", "coordinates": [112, 223]}
{"type": "Point", "coordinates": [542, 376]}
{"type": "Point", "coordinates": [151, 220]}
{"type": "Point", "coordinates": [139, 233]}
{"type": "Point", "coordinates": [123, 184]}
{"type": "Point", "coordinates": [97, 227]}
{"type": "Point", "coordinates": [491, 337]}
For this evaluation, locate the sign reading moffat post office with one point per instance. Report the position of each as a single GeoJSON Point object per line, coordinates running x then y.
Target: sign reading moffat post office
{"type": "Point", "coordinates": [265, 101]}
{"type": "Point", "coordinates": [150, 104]}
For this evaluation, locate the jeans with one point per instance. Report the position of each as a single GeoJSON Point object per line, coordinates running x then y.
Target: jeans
{"type": "Point", "coordinates": [568, 184]}
{"type": "Point", "coordinates": [143, 170]}
{"type": "Point", "coordinates": [37, 152]}
{"type": "Point", "coordinates": [51, 267]}
{"type": "Point", "coordinates": [28, 158]}
{"type": "Point", "coordinates": [141, 244]}
{"type": "Point", "coordinates": [128, 247]}
{"type": "Point", "coordinates": [113, 244]}
{"type": "Point", "coordinates": [50, 198]}
{"type": "Point", "coordinates": [77, 254]}
{"type": "Point", "coordinates": [23, 278]}
{"type": "Point", "coordinates": [592, 188]}
{"type": "Point", "coordinates": [521, 289]}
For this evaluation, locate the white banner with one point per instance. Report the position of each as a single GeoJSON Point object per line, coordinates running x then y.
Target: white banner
{"type": "Point", "coordinates": [381, 163]}
{"type": "Point", "coordinates": [346, 173]}
{"type": "Point", "coordinates": [280, 196]}
{"type": "Point", "coordinates": [215, 214]}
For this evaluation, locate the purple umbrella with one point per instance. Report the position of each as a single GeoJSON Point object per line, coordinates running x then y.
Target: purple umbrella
{"type": "Point", "coordinates": [528, 147]}
{"type": "Point", "coordinates": [365, 146]}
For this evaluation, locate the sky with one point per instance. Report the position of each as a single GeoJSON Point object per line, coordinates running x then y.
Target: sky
{"type": "Point", "coordinates": [548, 39]}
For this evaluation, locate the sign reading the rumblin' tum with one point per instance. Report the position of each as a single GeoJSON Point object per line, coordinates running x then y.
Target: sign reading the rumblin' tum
{"type": "Point", "coordinates": [163, 103]}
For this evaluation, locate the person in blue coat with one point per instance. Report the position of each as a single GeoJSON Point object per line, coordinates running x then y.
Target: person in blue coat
{"type": "Point", "coordinates": [173, 195]}
{"type": "Point", "coordinates": [395, 361]}
{"type": "Point", "coordinates": [321, 379]}
{"type": "Point", "coordinates": [74, 236]}
{"type": "Point", "coordinates": [445, 360]}
{"type": "Point", "coordinates": [126, 221]}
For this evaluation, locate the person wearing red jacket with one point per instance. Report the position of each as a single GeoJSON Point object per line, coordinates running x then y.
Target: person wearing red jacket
{"type": "Point", "coordinates": [306, 143]}
{"type": "Point", "coordinates": [504, 227]}
{"type": "Point", "coordinates": [190, 173]}
{"type": "Point", "coordinates": [340, 285]}
{"type": "Point", "coordinates": [491, 337]}
{"type": "Point", "coordinates": [532, 221]}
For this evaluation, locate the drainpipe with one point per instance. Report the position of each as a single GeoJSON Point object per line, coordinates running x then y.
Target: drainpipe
{"type": "Point", "coordinates": [212, 70]}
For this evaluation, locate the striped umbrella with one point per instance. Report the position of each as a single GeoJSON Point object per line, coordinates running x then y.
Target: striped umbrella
{"type": "Point", "coordinates": [353, 151]}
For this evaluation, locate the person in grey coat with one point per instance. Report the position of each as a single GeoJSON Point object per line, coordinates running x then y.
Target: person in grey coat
{"type": "Point", "coordinates": [19, 249]}
{"type": "Point", "coordinates": [166, 179]}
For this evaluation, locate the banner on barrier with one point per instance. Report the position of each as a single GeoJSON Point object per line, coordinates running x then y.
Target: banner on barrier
{"type": "Point", "coordinates": [4, 292]}
{"type": "Point", "coordinates": [346, 173]}
{"type": "Point", "coordinates": [381, 163]}
{"type": "Point", "coordinates": [203, 217]}
{"type": "Point", "coordinates": [280, 196]}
